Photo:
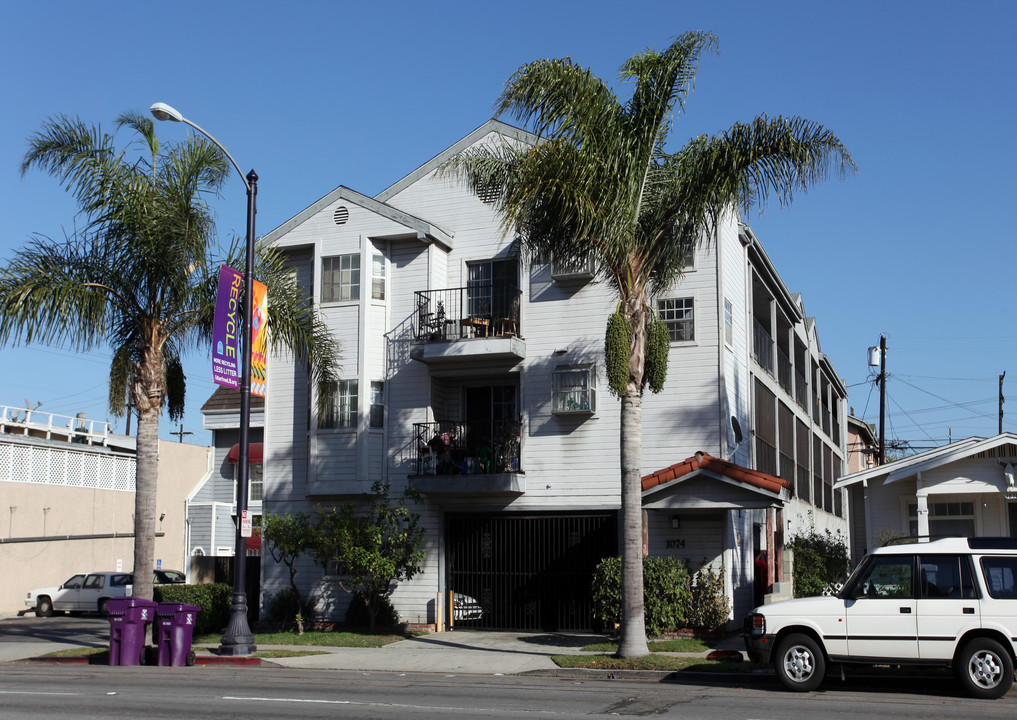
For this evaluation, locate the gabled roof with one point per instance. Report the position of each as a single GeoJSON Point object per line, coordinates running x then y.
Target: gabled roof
{"type": "Point", "coordinates": [424, 230]}
{"type": "Point", "coordinates": [228, 399]}
{"type": "Point", "coordinates": [922, 462]}
{"type": "Point", "coordinates": [491, 126]}
{"type": "Point", "coordinates": [704, 463]}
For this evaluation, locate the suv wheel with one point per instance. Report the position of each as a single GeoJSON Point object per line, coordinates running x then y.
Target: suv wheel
{"type": "Point", "coordinates": [43, 606]}
{"type": "Point", "coordinates": [985, 669]}
{"type": "Point", "coordinates": [799, 663]}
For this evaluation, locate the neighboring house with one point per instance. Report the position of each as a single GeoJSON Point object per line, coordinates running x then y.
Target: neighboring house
{"type": "Point", "coordinates": [68, 500]}
{"type": "Point", "coordinates": [212, 505]}
{"type": "Point", "coordinates": [863, 453]}
{"type": "Point", "coordinates": [964, 488]}
{"type": "Point", "coordinates": [476, 375]}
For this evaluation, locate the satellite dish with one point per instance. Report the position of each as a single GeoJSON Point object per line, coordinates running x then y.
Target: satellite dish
{"type": "Point", "coordinates": [736, 426]}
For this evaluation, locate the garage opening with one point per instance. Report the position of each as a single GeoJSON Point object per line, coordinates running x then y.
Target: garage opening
{"type": "Point", "coordinates": [531, 572]}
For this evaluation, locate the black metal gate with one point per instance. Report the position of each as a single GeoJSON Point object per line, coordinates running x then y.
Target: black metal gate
{"type": "Point", "coordinates": [530, 572]}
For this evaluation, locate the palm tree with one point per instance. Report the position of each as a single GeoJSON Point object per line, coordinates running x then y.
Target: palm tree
{"type": "Point", "coordinates": [602, 184]}
{"type": "Point", "coordinates": [140, 277]}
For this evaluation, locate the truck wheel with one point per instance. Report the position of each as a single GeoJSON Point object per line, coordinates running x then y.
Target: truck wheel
{"type": "Point", "coordinates": [799, 663]}
{"type": "Point", "coordinates": [103, 606]}
{"type": "Point", "coordinates": [190, 658]}
{"type": "Point", "coordinates": [43, 606]}
{"type": "Point", "coordinates": [985, 669]}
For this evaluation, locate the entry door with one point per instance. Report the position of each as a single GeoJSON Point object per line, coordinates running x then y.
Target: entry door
{"type": "Point", "coordinates": [883, 623]}
{"type": "Point", "coordinates": [492, 414]}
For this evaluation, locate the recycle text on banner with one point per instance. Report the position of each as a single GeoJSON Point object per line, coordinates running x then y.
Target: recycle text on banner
{"type": "Point", "coordinates": [226, 329]}
{"type": "Point", "coordinates": [259, 340]}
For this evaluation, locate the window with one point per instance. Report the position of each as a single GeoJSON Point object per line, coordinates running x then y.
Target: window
{"type": "Point", "coordinates": [255, 482]}
{"type": "Point", "coordinates": [572, 391]}
{"type": "Point", "coordinates": [946, 576]}
{"type": "Point", "coordinates": [378, 277]}
{"type": "Point", "coordinates": [94, 581]}
{"type": "Point", "coordinates": [678, 315]}
{"type": "Point", "coordinates": [377, 404]}
{"type": "Point", "coordinates": [342, 407]}
{"type": "Point", "coordinates": [340, 278]}
{"type": "Point", "coordinates": [888, 576]}
{"type": "Point", "coordinates": [946, 519]}
{"type": "Point", "coordinates": [728, 322]}
{"type": "Point", "coordinates": [1001, 576]}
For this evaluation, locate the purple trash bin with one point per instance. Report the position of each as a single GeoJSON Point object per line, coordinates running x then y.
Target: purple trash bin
{"type": "Point", "coordinates": [128, 619]}
{"type": "Point", "coordinates": [176, 629]}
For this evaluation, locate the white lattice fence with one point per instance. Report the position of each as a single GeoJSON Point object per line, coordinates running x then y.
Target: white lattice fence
{"type": "Point", "coordinates": [67, 467]}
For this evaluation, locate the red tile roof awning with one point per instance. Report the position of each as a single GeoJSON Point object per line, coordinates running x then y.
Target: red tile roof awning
{"type": "Point", "coordinates": [254, 453]}
{"type": "Point", "coordinates": [706, 462]}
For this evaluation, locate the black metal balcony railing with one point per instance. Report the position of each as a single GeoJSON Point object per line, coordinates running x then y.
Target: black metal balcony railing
{"type": "Point", "coordinates": [480, 310]}
{"type": "Point", "coordinates": [762, 347]}
{"type": "Point", "coordinates": [784, 371]}
{"type": "Point", "coordinates": [801, 391]}
{"type": "Point", "coordinates": [456, 448]}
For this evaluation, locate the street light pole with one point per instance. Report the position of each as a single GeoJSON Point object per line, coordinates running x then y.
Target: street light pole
{"type": "Point", "coordinates": [238, 638]}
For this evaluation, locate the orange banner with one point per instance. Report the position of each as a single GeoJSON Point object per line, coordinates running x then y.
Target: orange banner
{"type": "Point", "coordinates": [259, 340]}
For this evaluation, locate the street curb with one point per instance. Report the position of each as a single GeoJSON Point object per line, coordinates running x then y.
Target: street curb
{"type": "Point", "coordinates": [199, 660]}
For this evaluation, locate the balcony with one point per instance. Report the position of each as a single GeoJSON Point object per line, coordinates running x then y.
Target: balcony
{"type": "Point", "coordinates": [468, 458]}
{"type": "Point", "coordinates": [467, 324]}
{"type": "Point", "coordinates": [762, 347]}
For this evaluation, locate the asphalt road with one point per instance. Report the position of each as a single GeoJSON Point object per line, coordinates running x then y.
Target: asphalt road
{"type": "Point", "coordinates": [84, 692]}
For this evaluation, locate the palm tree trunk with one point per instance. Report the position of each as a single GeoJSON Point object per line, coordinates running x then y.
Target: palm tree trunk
{"type": "Point", "coordinates": [633, 630]}
{"type": "Point", "coordinates": [144, 501]}
{"type": "Point", "coordinates": [148, 398]}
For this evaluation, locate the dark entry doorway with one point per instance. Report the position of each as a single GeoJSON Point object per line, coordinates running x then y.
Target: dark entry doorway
{"type": "Point", "coordinates": [531, 572]}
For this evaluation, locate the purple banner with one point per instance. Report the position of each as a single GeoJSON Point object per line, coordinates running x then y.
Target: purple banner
{"type": "Point", "coordinates": [226, 329]}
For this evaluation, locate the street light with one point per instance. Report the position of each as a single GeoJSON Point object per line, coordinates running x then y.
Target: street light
{"type": "Point", "coordinates": [238, 639]}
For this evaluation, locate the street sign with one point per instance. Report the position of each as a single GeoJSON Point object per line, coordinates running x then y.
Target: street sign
{"type": "Point", "coordinates": [245, 524]}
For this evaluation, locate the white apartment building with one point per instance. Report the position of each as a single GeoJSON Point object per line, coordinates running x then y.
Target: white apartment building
{"type": "Point", "coordinates": [476, 374]}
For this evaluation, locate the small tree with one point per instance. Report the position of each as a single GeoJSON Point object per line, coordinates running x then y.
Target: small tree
{"type": "Point", "coordinates": [288, 537]}
{"type": "Point", "coordinates": [372, 546]}
{"type": "Point", "coordinates": [819, 561]}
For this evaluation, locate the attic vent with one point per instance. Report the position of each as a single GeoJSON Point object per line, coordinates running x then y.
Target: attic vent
{"type": "Point", "coordinates": [488, 193]}
{"type": "Point", "coordinates": [341, 215]}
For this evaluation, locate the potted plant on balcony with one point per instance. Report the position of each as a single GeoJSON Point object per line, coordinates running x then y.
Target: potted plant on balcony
{"type": "Point", "coordinates": [507, 446]}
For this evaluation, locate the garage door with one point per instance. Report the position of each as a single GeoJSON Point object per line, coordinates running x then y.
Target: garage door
{"type": "Point", "coordinates": [533, 572]}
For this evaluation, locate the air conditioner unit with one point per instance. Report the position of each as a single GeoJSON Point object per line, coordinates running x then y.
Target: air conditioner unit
{"type": "Point", "coordinates": [572, 271]}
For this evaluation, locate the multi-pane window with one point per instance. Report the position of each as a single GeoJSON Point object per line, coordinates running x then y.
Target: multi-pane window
{"type": "Point", "coordinates": [340, 278]}
{"type": "Point", "coordinates": [946, 519]}
{"type": "Point", "coordinates": [679, 316]}
{"type": "Point", "coordinates": [378, 277]}
{"type": "Point", "coordinates": [255, 482]}
{"type": "Point", "coordinates": [342, 407]}
{"type": "Point", "coordinates": [572, 390]}
{"type": "Point", "coordinates": [377, 404]}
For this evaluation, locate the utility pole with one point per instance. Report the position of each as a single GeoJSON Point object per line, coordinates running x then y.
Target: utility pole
{"type": "Point", "coordinates": [881, 379]}
{"type": "Point", "coordinates": [1001, 402]}
{"type": "Point", "coordinates": [180, 433]}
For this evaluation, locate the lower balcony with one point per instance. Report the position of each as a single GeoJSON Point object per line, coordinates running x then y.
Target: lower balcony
{"type": "Point", "coordinates": [468, 458]}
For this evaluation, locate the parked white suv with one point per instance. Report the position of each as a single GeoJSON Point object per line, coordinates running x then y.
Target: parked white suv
{"type": "Point", "coordinates": [946, 603]}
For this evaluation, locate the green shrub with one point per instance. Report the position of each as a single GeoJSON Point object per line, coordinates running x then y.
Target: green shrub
{"type": "Point", "coordinates": [284, 606]}
{"type": "Point", "coordinates": [708, 605]}
{"type": "Point", "coordinates": [214, 601]}
{"type": "Point", "coordinates": [358, 617]}
{"type": "Point", "coordinates": [820, 560]}
{"type": "Point", "coordinates": [666, 593]}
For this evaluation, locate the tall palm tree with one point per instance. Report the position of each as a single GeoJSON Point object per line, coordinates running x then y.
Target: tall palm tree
{"type": "Point", "coordinates": [140, 277]}
{"type": "Point", "coordinates": [602, 184]}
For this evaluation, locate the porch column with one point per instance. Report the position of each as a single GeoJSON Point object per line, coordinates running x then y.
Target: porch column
{"type": "Point", "coordinates": [923, 513]}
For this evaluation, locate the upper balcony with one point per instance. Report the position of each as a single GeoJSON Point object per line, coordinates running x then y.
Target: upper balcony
{"type": "Point", "coordinates": [479, 322]}
{"type": "Point", "coordinates": [469, 458]}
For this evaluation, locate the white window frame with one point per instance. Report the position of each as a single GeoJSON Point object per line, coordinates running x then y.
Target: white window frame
{"type": "Point", "coordinates": [683, 313]}
{"type": "Point", "coordinates": [378, 276]}
{"type": "Point", "coordinates": [251, 482]}
{"type": "Point", "coordinates": [574, 390]}
{"type": "Point", "coordinates": [340, 278]}
{"type": "Point", "coordinates": [377, 406]}
{"type": "Point", "coordinates": [343, 407]}
{"type": "Point", "coordinates": [728, 322]}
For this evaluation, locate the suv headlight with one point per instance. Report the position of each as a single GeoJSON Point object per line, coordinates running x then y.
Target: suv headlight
{"type": "Point", "coordinates": [755, 624]}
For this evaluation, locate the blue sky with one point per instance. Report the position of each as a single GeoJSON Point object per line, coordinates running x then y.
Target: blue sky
{"type": "Point", "coordinates": [313, 95]}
